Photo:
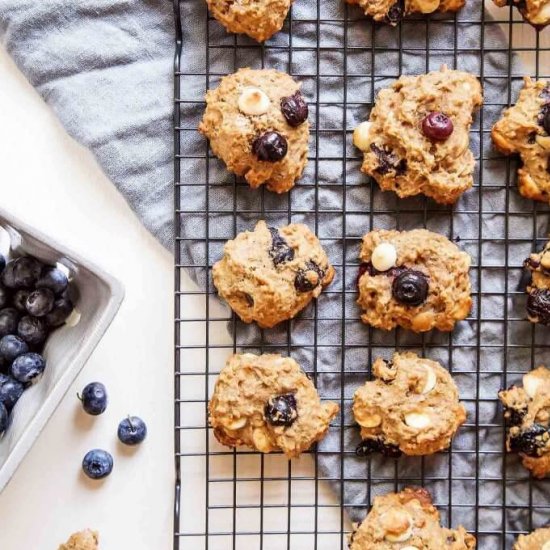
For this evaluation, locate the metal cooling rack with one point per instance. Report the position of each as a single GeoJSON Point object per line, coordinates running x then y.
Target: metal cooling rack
{"type": "Point", "coordinates": [243, 500]}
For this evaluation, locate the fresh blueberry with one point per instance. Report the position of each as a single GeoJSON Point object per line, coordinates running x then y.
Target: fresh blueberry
{"type": "Point", "coordinates": [10, 391]}
{"type": "Point", "coordinates": [62, 308]}
{"type": "Point", "coordinates": [9, 317]}
{"type": "Point", "coordinates": [4, 296]}
{"type": "Point", "coordinates": [53, 279]}
{"type": "Point", "coordinates": [410, 287]}
{"type": "Point", "coordinates": [309, 278]}
{"type": "Point", "coordinates": [26, 271]}
{"type": "Point", "coordinates": [19, 300]}
{"type": "Point", "coordinates": [4, 418]}
{"type": "Point", "coordinates": [294, 109]}
{"type": "Point", "coordinates": [11, 347]}
{"type": "Point", "coordinates": [538, 306]}
{"type": "Point", "coordinates": [270, 147]}
{"type": "Point", "coordinates": [530, 441]}
{"type": "Point", "coordinates": [28, 367]}
{"type": "Point", "coordinates": [132, 430]}
{"type": "Point", "coordinates": [437, 126]}
{"type": "Point", "coordinates": [97, 464]}
{"type": "Point", "coordinates": [33, 330]}
{"type": "Point", "coordinates": [8, 277]}
{"type": "Point", "coordinates": [40, 302]}
{"type": "Point", "coordinates": [280, 252]}
{"type": "Point", "coordinates": [2, 262]}
{"type": "Point", "coordinates": [94, 398]}
{"type": "Point", "coordinates": [281, 410]}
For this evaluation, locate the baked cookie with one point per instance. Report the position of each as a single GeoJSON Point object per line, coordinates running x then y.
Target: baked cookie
{"type": "Point", "coordinates": [536, 12]}
{"type": "Point", "coordinates": [84, 540]}
{"type": "Point", "coordinates": [259, 19]}
{"type": "Point", "coordinates": [392, 11]}
{"type": "Point", "coordinates": [411, 406]}
{"type": "Point", "coordinates": [527, 419]}
{"type": "Point", "coordinates": [414, 279]}
{"type": "Point", "coordinates": [256, 121]}
{"type": "Point", "coordinates": [417, 137]}
{"type": "Point", "coordinates": [538, 289]}
{"type": "Point", "coordinates": [267, 403]}
{"type": "Point", "coordinates": [407, 521]}
{"type": "Point", "coordinates": [537, 540]}
{"type": "Point", "coordinates": [269, 275]}
{"type": "Point", "coordinates": [525, 129]}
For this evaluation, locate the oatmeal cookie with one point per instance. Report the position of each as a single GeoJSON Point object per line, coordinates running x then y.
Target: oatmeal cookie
{"type": "Point", "coordinates": [414, 279]}
{"type": "Point", "coordinates": [392, 11]}
{"type": "Point", "coordinates": [267, 403]}
{"type": "Point", "coordinates": [259, 19]}
{"type": "Point", "coordinates": [408, 521]}
{"type": "Point", "coordinates": [537, 540]}
{"type": "Point", "coordinates": [411, 406]}
{"type": "Point", "coordinates": [417, 137]}
{"type": "Point", "coordinates": [536, 12]}
{"type": "Point", "coordinates": [84, 540]}
{"type": "Point", "coordinates": [269, 275]}
{"type": "Point", "coordinates": [527, 419]}
{"type": "Point", "coordinates": [256, 121]}
{"type": "Point", "coordinates": [525, 129]}
{"type": "Point", "coordinates": [538, 289]}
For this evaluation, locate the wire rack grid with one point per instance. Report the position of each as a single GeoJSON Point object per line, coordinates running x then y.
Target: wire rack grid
{"type": "Point", "coordinates": [243, 500]}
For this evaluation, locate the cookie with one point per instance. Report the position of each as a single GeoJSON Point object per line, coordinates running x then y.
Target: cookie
{"type": "Point", "coordinates": [256, 121]}
{"type": "Point", "coordinates": [269, 275]}
{"type": "Point", "coordinates": [538, 289]}
{"type": "Point", "coordinates": [416, 140]}
{"type": "Point", "coordinates": [267, 403]}
{"type": "Point", "coordinates": [536, 12]}
{"type": "Point", "coordinates": [415, 279]}
{"type": "Point", "coordinates": [84, 540]}
{"type": "Point", "coordinates": [259, 19]}
{"type": "Point", "coordinates": [527, 420]}
{"type": "Point", "coordinates": [390, 11]}
{"type": "Point", "coordinates": [411, 406]}
{"type": "Point", "coordinates": [525, 129]}
{"type": "Point", "coordinates": [407, 521]}
{"type": "Point", "coordinates": [537, 540]}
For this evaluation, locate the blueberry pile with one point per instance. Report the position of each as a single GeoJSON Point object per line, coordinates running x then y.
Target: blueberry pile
{"type": "Point", "coordinates": [34, 301]}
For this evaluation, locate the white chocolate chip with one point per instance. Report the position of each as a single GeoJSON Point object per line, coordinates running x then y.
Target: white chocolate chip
{"type": "Point", "coordinates": [397, 525]}
{"type": "Point", "coordinates": [368, 420]}
{"type": "Point", "coordinates": [384, 257]}
{"type": "Point", "coordinates": [431, 380]}
{"type": "Point", "coordinates": [544, 142]}
{"type": "Point", "coordinates": [417, 420]}
{"type": "Point", "coordinates": [253, 101]}
{"type": "Point", "coordinates": [546, 546]}
{"type": "Point", "coordinates": [361, 136]}
{"type": "Point", "coordinates": [237, 424]}
{"type": "Point", "coordinates": [409, 548]}
{"type": "Point", "coordinates": [531, 384]}
{"type": "Point", "coordinates": [428, 6]}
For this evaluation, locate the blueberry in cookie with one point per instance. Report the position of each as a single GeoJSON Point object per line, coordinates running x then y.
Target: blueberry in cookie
{"type": "Point", "coordinates": [527, 420]}
{"type": "Point", "coordinates": [538, 288]}
{"type": "Point", "coordinates": [269, 275]}
{"type": "Point", "coordinates": [256, 121]}
{"type": "Point", "coordinates": [414, 279]}
{"type": "Point", "coordinates": [407, 521]}
{"type": "Point", "coordinates": [84, 540]}
{"type": "Point", "coordinates": [537, 540]}
{"type": "Point", "coordinates": [536, 12]}
{"type": "Point", "coordinates": [416, 140]}
{"type": "Point", "coordinates": [411, 406]}
{"type": "Point", "coordinates": [267, 403]}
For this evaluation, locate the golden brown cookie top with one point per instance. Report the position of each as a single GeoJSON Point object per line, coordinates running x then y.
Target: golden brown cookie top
{"type": "Point", "coordinates": [417, 137]}
{"type": "Point", "coordinates": [84, 540]}
{"type": "Point", "coordinates": [537, 540]}
{"type": "Point", "coordinates": [536, 12]}
{"type": "Point", "coordinates": [268, 403]}
{"type": "Point", "coordinates": [410, 406]}
{"type": "Point", "coordinates": [407, 521]}
{"type": "Point", "coordinates": [538, 289]}
{"type": "Point", "coordinates": [256, 121]}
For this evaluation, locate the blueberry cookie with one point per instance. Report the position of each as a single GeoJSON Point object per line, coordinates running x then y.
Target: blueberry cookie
{"type": "Point", "coordinates": [256, 121]}
{"type": "Point", "coordinates": [85, 540]}
{"type": "Point", "coordinates": [392, 11]}
{"type": "Point", "coordinates": [536, 12]}
{"type": "Point", "coordinates": [525, 129]}
{"type": "Point", "coordinates": [538, 289]}
{"type": "Point", "coordinates": [269, 275]}
{"type": "Point", "coordinates": [407, 521]}
{"type": "Point", "coordinates": [537, 540]}
{"type": "Point", "coordinates": [417, 137]}
{"type": "Point", "coordinates": [411, 406]}
{"type": "Point", "coordinates": [267, 403]}
{"type": "Point", "coordinates": [414, 279]}
{"type": "Point", "coordinates": [259, 19]}
{"type": "Point", "coordinates": [527, 418]}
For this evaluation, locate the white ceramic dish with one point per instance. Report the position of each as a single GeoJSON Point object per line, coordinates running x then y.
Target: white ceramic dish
{"type": "Point", "coordinates": [67, 349]}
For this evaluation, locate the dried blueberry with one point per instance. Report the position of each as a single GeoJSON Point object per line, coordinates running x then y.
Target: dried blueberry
{"type": "Point", "coordinates": [437, 126]}
{"type": "Point", "coordinates": [40, 302]}
{"type": "Point", "coordinates": [514, 417]}
{"type": "Point", "coordinates": [9, 317]}
{"type": "Point", "coordinates": [309, 278]}
{"type": "Point", "coordinates": [410, 287]}
{"type": "Point", "coordinates": [538, 306]}
{"type": "Point", "coordinates": [26, 271]}
{"type": "Point", "coordinates": [280, 252]}
{"type": "Point", "coordinates": [33, 330]}
{"type": "Point", "coordinates": [388, 161]}
{"type": "Point", "coordinates": [294, 109]}
{"type": "Point", "coordinates": [281, 410]}
{"type": "Point", "coordinates": [395, 13]}
{"type": "Point", "coordinates": [270, 147]}
{"type": "Point", "coordinates": [530, 441]}
{"type": "Point", "coordinates": [369, 446]}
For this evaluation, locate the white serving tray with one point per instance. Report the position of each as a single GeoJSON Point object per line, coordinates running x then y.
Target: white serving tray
{"type": "Point", "coordinates": [67, 349]}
